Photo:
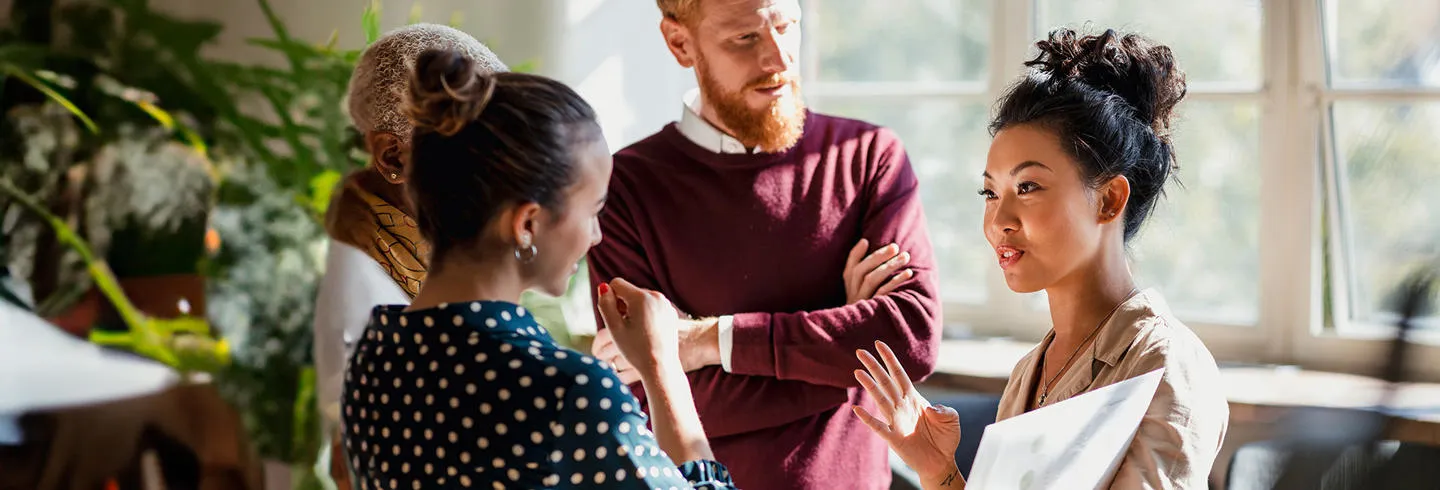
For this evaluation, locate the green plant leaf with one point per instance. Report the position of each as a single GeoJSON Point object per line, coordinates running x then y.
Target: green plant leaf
{"type": "Point", "coordinates": [201, 353]}
{"type": "Point", "coordinates": [292, 50]}
{"type": "Point", "coordinates": [322, 188]}
{"type": "Point", "coordinates": [52, 94]}
{"type": "Point", "coordinates": [333, 41]}
{"type": "Point", "coordinates": [526, 67]}
{"type": "Point", "coordinates": [164, 118]}
{"type": "Point", "coordinates": [168, 122]}
{"type": "Point", "coordinates": [111, 339]}
{"type": "Point", "coordinates": [370, 22]}
{"type": "Point", "coordinates": [149, 337]}
{"type": "Point", "coordinates": [21, 54]}
{"type": "Point", "coordinates": [184, 324]}
{"type": "Point", "coordinates": [303, 415]}
{"type": "Point", "coordinates": [144, 340]}
{"type": "Point", "coordinates": [456, 19]}
{"type": "Point", "coordinates": [304, 155]}
{"type": "Point", "coordinates": [194, 140]}
{"type": "Point", "coordinates": [282, 35]}
{"type": "Point", "coordinates": [179, 36]}
{"type": "Point", "coordinates": [414, 14]}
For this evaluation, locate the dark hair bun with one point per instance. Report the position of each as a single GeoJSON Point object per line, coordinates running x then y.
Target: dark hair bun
{"type": "Point", "coordinates": [1130, 66]}
{"type": "Point", "coordinates": [447, 92]}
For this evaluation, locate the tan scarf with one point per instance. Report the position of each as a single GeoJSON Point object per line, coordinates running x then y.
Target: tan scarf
{"type": "Point", "coordinates": [362, 219]}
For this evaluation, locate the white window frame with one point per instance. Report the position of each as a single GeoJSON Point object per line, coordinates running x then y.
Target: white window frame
{"type": "Point", "coordinates": [1295, 146]}
{"type": "Point", "coordinates": [1343, 345]}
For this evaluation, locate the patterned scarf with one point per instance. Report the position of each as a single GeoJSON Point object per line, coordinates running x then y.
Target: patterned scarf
{"type": "Point", "coordinates": [362, 219]}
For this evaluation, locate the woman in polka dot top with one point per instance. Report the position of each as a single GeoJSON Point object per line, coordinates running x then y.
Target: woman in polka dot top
{"type": "Point", "coordinates": [462, 388]}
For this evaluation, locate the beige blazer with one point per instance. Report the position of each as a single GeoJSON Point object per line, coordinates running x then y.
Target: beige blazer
{"type": "Point", "coordinates": [1182, 430]}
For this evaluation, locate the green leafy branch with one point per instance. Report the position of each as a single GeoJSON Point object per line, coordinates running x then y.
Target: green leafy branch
{"type": "Point", "coordinates": [151, 337]}
{"type": "Point", "coordinates": [18, 61]}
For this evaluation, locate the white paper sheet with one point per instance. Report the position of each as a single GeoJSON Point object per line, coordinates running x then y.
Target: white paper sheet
{"type": "Point", "coordinates": [1074, 444]}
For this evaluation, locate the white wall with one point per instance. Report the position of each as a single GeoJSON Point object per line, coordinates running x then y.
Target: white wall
{"type": "Point", "coordinates": [608, 50]}
{"type": "Point", "coordinates": [517, 30]}
{"type": "Point", "coordinates": [611, 51]}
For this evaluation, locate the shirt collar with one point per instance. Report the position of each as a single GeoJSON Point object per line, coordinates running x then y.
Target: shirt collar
{"type": "Point", "coordinates": [702, 133]}
{"type": "Point", "coordinates": [1125, 324]}
{"type": "Point", "coordinates": [495, 317]}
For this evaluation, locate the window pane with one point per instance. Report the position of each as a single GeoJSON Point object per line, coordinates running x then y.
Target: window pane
{"type": "Point", "coordinates": [1215, 41]}
{"type": "Point", "coordinates": [1201, 246]}
{"type": "Point", "coordinates": [947, 143]}
{"type": "Point", "coordinates": [901, 40]}
{"type": "Point", "coordinates": [1391, 209]}
{"type": "Point", "coordinates": [1383, 42]}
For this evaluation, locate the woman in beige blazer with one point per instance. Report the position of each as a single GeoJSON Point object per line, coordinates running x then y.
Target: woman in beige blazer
{"type": "Point", "coordinates": [1081, 154]}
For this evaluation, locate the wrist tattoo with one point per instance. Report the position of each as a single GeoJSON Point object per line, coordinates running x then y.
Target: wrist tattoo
{"type": "Point", "coordinates": [949, 479]}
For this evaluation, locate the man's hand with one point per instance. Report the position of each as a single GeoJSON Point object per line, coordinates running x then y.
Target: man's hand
{"type": "Point", "coordinates": [877, 274]}
{"type": "Point", "coordinates": [699, 347]}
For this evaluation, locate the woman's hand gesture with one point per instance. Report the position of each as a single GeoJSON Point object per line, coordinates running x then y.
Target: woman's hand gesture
{"type": "Point", "coordinates": [924, 435]}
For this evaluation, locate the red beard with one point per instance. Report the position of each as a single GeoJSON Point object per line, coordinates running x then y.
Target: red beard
{"type": "Point", "coordinates": [774, 128]}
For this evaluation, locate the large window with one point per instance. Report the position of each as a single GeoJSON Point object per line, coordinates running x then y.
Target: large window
{"type": "Point", "coordinates": [1381, 77]}
{"type": "Point", "coordinates": [1307, 152]}
{"type": "Point", "coordinates": [920, 68]}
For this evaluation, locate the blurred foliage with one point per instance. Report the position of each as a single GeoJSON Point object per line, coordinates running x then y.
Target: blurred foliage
{"type": "Point", "coordinates": [271, 171]}
{"type": "Point", "coordinates": [44, 160]}
{"type": "Point", "coordinates": [110, 89]}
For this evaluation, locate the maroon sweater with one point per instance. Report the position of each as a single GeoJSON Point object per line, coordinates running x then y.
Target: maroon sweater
{"type": "Point", "coordinates": [764, 237]}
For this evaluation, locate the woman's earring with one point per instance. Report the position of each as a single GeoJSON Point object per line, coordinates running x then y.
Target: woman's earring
{"type": "Point", "coordinates": [526, 252]}
{"type": "Point", "coordinates": [394, 176]}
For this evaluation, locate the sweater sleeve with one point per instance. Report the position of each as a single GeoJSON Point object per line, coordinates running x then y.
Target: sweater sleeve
{"type": "Point", "coordinates": [819, 346]}
{"type": "Point", "coordinates": [727, 404]}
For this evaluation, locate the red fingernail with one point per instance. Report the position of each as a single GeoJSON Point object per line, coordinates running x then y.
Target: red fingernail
{"type": "Point", "coordinates": [604, 289]}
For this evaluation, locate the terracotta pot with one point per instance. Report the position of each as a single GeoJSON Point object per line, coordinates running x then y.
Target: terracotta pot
{"type": "Point", "coordinates": [80, 318]}
{"type": "Point", "coordinates": [167, 296]}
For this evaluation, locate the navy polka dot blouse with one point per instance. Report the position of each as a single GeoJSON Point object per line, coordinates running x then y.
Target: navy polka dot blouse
{"type": "Point", "coordinates": [478, 395]}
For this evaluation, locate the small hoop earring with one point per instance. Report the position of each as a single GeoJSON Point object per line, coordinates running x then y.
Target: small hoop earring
{"type": "Point", "coordinates": [526, 255]}
{"type": "Point", "coordinates": [526, 252]}
{"type": "Point", "coordinates": [394, 176]}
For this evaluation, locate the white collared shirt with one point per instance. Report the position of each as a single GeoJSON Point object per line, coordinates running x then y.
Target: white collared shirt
{"type": "Point", "coordinates": [695, 128]}
{"type": "Point", "coordinates": [707, 136]}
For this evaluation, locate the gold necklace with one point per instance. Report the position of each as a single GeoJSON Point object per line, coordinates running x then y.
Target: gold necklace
{"type": "Point", "coordinates": [1045, 389]}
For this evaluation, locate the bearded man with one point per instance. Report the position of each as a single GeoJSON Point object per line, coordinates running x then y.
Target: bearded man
{"type": "Point", "coordinates": [789, 238]}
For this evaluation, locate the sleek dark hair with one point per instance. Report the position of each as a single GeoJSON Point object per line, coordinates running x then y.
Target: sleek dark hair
{"type": "Point", "coordinates": [483, 141]}
{"type": "Point", "coordinates": [1110, 99]}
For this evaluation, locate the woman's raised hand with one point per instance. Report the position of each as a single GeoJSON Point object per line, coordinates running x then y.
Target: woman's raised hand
{"type": "Point", "coordinates": [924, 435]}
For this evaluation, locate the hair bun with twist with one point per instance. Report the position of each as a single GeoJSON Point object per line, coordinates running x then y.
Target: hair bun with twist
{"type": "Point", "coordinates": [1130, 66]}
{"type": "Point", "coordinates": [447, 92]}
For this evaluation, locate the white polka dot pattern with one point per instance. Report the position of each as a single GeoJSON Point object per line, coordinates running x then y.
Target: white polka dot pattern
{"type": "Point", "coordinates": [506, 408]}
